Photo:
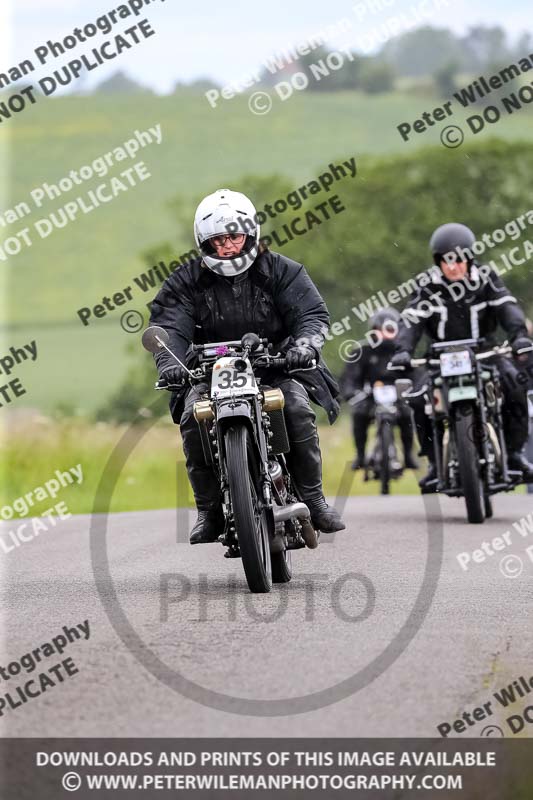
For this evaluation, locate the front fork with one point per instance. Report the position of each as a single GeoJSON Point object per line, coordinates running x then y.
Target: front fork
{"type": "Point", "coordinates": [264, 497]}
{"type": "Point", "coordinates": [479, 409]}
{"type": "Point", "coordinates": [488, 472]}
{"type": "Point", "coordinates": [438, 448]}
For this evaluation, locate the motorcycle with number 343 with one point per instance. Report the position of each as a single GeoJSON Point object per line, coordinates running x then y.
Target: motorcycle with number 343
{"type": "Point", "coordinates": [463, 399]}
{"type": "Point", "coordinates": [244, 439]}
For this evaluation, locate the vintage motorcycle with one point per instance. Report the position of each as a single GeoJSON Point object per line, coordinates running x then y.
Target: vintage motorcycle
{"type": "Point", "coordinates": [383, 463]}
{"type": "Point", "coordinates": [464, 401]}
{"type": "Point", "coordinates": [244, 439]}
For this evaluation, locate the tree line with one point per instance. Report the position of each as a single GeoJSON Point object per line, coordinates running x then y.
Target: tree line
{"type": "Point", "coordinates": [381, 240]}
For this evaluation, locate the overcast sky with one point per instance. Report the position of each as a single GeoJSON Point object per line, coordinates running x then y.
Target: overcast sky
{"type": "Point", "coordinates": [227, 41]}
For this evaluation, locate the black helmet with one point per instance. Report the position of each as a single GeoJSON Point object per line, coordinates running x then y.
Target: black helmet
{"type": "Point", "coordinates": [452, 238]}
{"type": "Point", "coordinates": [384, 316]}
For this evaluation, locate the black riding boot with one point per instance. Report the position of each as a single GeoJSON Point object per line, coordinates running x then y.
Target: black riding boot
{"type": "Point", "coordinates": [425, 436]}
{"type": "Point", "coordinates": [515, 418]}
{"type": "Point", "coordinates": [428, 483]}
{"type": "Point", "coordinates": [208, 527]}
{"type": "Point", "coordinates": [516, 460]}
{"type": "Point", "coordinates": [305, 464]}
{"type": "Point", "coordinates": [304, 459]}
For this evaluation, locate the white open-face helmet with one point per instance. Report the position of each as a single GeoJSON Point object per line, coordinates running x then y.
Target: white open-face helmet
{"type": "Point", "coordinates": [221, 213]}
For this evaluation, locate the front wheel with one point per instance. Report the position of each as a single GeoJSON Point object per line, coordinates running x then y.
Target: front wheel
{"type": "Point", "coordinates": [250, 521]}
{"type": "Point", "coordinates": [468, 457]}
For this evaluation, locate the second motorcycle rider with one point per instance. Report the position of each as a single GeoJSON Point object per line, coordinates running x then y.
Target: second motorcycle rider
{"type": "Point", "coordinates": [366, 367]}
{"type": "Point", "coordinates": [482, 304]}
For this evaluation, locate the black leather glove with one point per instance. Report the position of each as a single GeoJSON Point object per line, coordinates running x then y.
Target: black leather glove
{"type": "Point", "coordinates": [401, 360]}
{"type": "Point", "coordinates": [300, 357]}
{"type": "Point", "coordinates": [172, 376]}
{"type": "Point", "coordinates": [520, 343]}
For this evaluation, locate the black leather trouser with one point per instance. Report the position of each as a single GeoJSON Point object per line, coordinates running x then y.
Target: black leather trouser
{"type": "Point", "coordinates": [514, 409]}
{"type": "Point", "coordinates": [304, 459]}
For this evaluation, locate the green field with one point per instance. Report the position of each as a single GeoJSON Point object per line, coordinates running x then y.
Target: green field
{"type": "Point", "coordinates": [78, 366]}
{"type": "Point", "coordinates": [148, 479]}
{"type": "Point", "coordinates": [202, 148]}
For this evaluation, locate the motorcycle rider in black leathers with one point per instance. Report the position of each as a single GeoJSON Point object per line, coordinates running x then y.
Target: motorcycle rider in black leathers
{"type": "Point", "coordinates": [464, 300]}
{"type": "Point", "coordinates": [363, 369]}
{"type": "Point", "coordinates": [237, 286]}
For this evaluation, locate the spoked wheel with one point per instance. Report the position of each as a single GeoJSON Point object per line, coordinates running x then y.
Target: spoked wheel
{"type": "Point", "coordinates": [468, 457]}
{"type": "Point", "coordinates": [385, 466]}
{"type": "Point", "coordinates": [250, 522]}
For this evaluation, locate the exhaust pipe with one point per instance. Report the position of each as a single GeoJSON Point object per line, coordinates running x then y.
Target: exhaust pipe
{"type": "Point", "coordinates": [299, 510]}
{"type": "Point", "coordinates": [283, 513]}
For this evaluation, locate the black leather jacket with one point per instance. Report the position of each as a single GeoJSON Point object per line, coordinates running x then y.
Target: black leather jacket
{"type": "Point", "coordinates": [445, 312]}
{"type": "Point", "coordinates": [275, 298]}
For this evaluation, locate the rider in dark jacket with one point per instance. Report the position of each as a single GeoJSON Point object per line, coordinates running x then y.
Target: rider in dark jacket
{"type": "Point", "coordinates": [236, 287]}
{"type": "Point", "coordinates": [368, 366]}
{"type": "Point", "coordinates": [466, 300]}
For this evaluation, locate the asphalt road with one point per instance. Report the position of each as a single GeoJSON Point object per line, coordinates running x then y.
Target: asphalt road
{"type": "Point", "coordinates": [416, 639]}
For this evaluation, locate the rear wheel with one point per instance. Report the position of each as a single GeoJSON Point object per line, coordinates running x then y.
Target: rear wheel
{"type": "Point", "coordinates": [385, 466]}
{"type": "Point", "coordinates": [250, 522]}
{"type": "Point", "coordinates": [281, 567]}
{"type": "Point", "coordinates": [469, 472]}
{"type": "Point", "coordinates": [488, 507]}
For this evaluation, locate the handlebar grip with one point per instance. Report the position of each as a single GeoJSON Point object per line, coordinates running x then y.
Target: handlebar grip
{"type": "Point", "coordinates": [496, 351]}
{"type": "Point", "coordinates": [396, 368]}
